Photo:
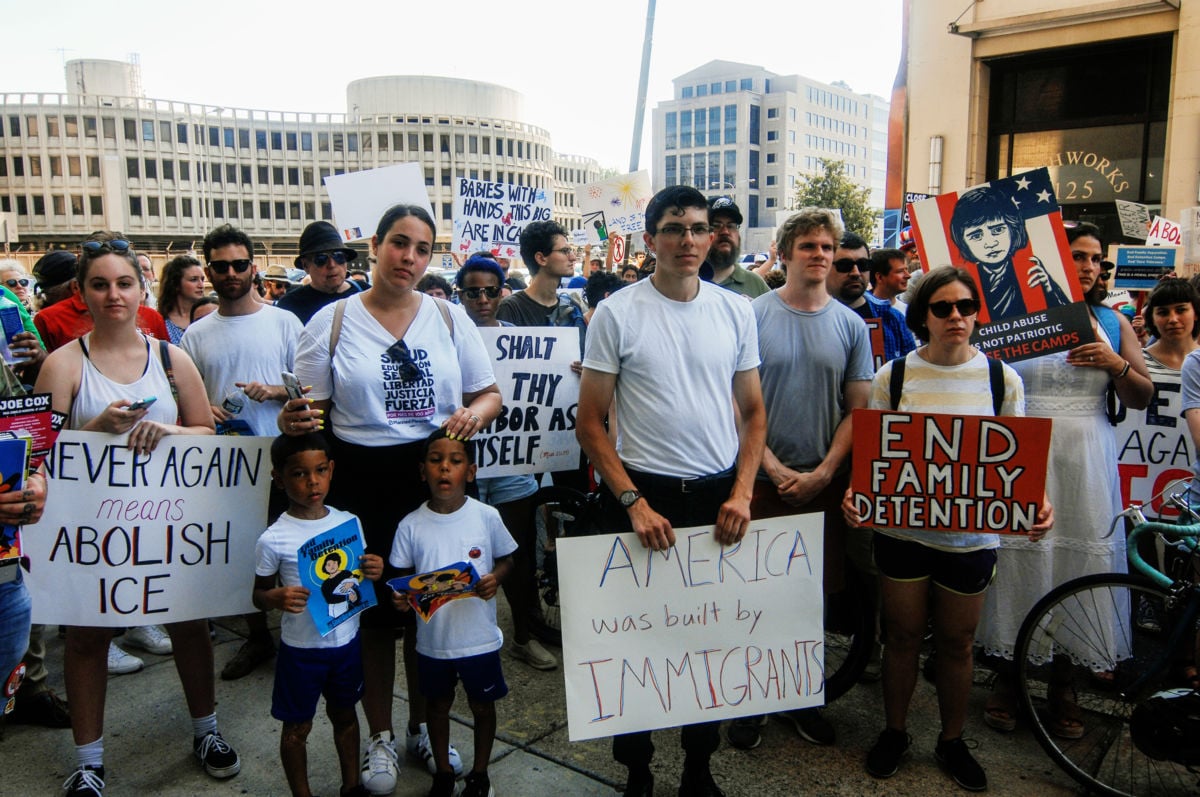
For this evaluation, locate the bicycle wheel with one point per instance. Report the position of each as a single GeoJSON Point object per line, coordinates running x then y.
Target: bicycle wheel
{"type": "Point", "coordinates": [1083, 633]}
{"type": "Point", "coordinates": [849, 631]}
{"type": "Point", "coordinates": [557, 512]}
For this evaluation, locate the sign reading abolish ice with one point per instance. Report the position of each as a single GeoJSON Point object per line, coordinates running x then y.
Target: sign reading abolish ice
{"type": "Point", "coordinates": [949, 472]}
{"type": "Point", "coordinates": [615, 205]}
{"type": "Point", "coordinates": [535, 432]}
{"type": "Point", "coordinates": [1154, 447]}
{"type": "Point", "coordinates": [129, 540]}
{"type": "Point", "coordinates": [491, 216]}
{"type": "Point", "coordinates": [695, 633]}
{"type": "Point", "coordinates": [1008, 235]}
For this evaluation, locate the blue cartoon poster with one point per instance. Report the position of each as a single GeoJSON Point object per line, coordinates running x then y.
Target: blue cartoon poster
{"type": "Point", "coordinates": [428, 592]}
{"type": "Point", "coordinates": [329, 568]}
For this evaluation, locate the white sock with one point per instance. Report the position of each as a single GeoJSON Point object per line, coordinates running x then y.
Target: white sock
{"type": "Point", "coordinates": [90, 754]}
{"type": "Point", "coordinates": [202, 726]}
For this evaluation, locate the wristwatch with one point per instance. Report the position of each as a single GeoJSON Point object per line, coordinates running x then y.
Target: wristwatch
{"type": "Point", "coordinates": [629, 498]}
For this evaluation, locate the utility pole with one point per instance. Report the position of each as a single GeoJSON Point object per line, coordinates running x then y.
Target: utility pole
{"type": "Point", "coordinates": [640, 111]}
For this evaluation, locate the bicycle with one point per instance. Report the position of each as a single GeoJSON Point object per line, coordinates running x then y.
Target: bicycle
{"type": "Point", "coordinates": [1140, 734]}
{"type": "Point", "coordinates": [849, 619]}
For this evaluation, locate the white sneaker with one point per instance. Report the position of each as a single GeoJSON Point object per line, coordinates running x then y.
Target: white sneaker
{"type": "Point", "coordinates": [380, 766]}
{"type": "Point", "coordinates": [533, 654]}
{"type": "Point", "coordinates": [150, 638]}
{"type": "Point", "coordinates": [418, 747]}
{"type": "Point", "coordinates": [120, 662]}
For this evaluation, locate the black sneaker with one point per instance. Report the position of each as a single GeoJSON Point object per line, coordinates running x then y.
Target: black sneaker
{"type": "Point", "coordinates": [744, 732]}
{"type": "Point", "coordinates": [86, 782]}
{"type": "Point", "coordinates": [884, 758]}
{"type": "Point", "coordinates": [958, 762]}
{"type": "Point", "coordinates": [477, 784]}
{"type": "Point", "coordinates": [443, 785]}
{"type": "Point", "coordinates": [219, 759]}
{"type": "Point", "coordinates": [698, 782]}
{"type": "Point", "coordinates": [812, 726]}
{"type": "Point", "coordinates": [640, 784]}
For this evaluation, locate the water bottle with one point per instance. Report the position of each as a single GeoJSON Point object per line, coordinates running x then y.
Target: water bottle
{"type": "Point", "coordinates": [235, 401]}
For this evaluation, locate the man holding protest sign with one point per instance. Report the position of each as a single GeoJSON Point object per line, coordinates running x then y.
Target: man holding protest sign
{"type": "Point", "coordinates": [674, 468]}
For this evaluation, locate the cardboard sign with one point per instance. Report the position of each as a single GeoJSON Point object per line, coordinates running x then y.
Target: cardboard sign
{"type": "Point", "coordinates": [932, 472]}
{"type": "Point", "coordinates": [615, 205]}
{"type": "Point", "coordinates": [330, 569]}
{"type": "Point", "coordinates": [132, 540]}
{"type": "Point", "coordinates": [1135, 219]}
{"type": "Point", "coordinates": [428, 592]}
{"type": "Point", "coordinates": [1164, 232]}
{"type": "Point", "coordinates": [535, 432]}
{"type": "Point", "coordinates": [875, 333]}
{"type": "Point", "coordinates": [1008, 234]}
{"type": "Point", "coordinates": [1139, 268]}
{"type": "Point", "coordinates": [360, 199]}
{"type": "Point", "coordinates": [491, 216]}
{"type": "Point", "coordinates": [1154, 447]}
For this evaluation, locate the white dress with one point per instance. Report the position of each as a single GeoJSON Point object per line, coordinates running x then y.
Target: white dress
{"type": "Point", "coordinates": [1083, 487]}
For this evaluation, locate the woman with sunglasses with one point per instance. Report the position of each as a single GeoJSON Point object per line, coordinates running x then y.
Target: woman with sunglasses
{"type": "Point", "coordinates": [93, 381]}
{"type": "Point", "coordinates": [387, 367]}
{"type": "Point", "coordinates": [14, 277]}
{"type": "Point", "coordinates": [946, 375]}
{"type": "Point", "coordinates": [325, 258]}
{"type": "Point", "coordinates": [1071, 388]}
{"type": "Point", "coordinates": [181, 287]}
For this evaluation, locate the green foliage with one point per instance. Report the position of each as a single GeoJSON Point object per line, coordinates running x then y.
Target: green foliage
{"type": "Point", "coordinates": [831, 188]}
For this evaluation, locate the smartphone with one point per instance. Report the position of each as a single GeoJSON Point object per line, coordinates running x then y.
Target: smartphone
{"type": "Point", "coordinates": [292, 384]}
{"type": "Point", "coordinates": [142, 404]}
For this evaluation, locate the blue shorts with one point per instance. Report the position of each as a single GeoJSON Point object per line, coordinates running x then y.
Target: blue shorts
{"type": "Point", "coordinates": [966, 573]}
{"type": "Point", "coordinates": [482, 677]}
{"type": "Point", "coordinates": [302, 675]}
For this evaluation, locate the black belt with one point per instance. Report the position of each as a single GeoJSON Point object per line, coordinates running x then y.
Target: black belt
{"type": "Point", "coordinates": [680, 484]}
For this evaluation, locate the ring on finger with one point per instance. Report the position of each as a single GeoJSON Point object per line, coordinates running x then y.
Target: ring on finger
{"type": "Point", "coordinates": [474, 419]}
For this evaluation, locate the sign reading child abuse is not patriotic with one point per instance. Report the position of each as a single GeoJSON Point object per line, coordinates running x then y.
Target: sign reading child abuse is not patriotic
{"type": "Point", "coordinates": [535, 431]}
{"type": "Point", "coordinates": [949, 472]}
{"type": "Point", "coordinates": [699, 632]}
{"type": "Point", "coordinates": [131, 540]}
{"type": "Point", "coordinates": [491, 216]}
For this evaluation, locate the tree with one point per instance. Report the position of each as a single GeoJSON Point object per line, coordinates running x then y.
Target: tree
{"type": "Point", "coordinates": [831, 188]}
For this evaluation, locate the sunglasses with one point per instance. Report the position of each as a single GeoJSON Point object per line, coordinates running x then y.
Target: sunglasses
{"type": "Point", "coordinates": [115, 245]}
{"type": "Point", "coordinates": [321, 259]}
{"type": "Point", "coordinates": [24, 283]}
{"type": "Point", "coordinates": [475, 293]}
{"type": "Point", "coordinates": [398, 353]}
{"type": "Point", "coordinates": [223, 266]}
{"type": "Point", "coordinates": [965, 307]}
{"type": "Point", "coordinates": [846, 265]}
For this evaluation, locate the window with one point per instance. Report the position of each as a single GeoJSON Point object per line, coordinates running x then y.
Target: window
{"type": "Point", "coordinates": [214, 172]}
{"type": "Point", "coordinates": [263, 178]}
{"type": "Point", "coordinates": [35, 165]}
{"type": "Point", "coordinates": [291, 142]}
{"type": "Point", "coordinates": [89, 126]}
{"type": "Point", "coordinates": [181, 133]}
{"type": "Point", "coordinates": [322, 142]}
{"type": "Point", "coordinates": [52, 127]}
{"type": "Point", "coordinates": [699, 138]}
{"type": "Point", "coordinates": [686, 94]}
{"type": "Point", "coordinates": [294, 211]}
{"type": "Point", "coordinates": [293, 176]}
{"type": "Point", "coordinates": [730, 124]}
{"type": "Point", "coordinates": [151, 169]}
{"type": "Point", "coordinates": [260, 139]}
{"type": "Point", "coordinates": [39, 205]}
{"type": "Point", "coordinates": [185, 170]}
{"type": "Point", "coordinates": [231, 173]}
{"type": "Point", "coordinates": [730, 176]}
{"type": "Point", "coordinates": [755, 113]}
{"type": "Point", "coordinates": [770, 157]}
{"type": "Point", "coordinates": [130, 129]}
{"type": "Point", "coordinates": [247, 209]}
{"type": "Point", "coordinates": [276, 140]}
{"type": "Point", "coordinates": [305, 144]}
{"type": "Point", "coordinates": [473, 143]}
{"type": "Point", "coordinates": [135, 206]}
{"type": "Point", "coordinates": [351, 146]}
{"type": "Point", "coordinates": [428, 175]}
{"type": "Point", "coordinates": [18, 169]}
{"type": "Point", "coordinates": [280, 215]}
{"type": "Point", "coordinates": [702, 91]}
{"type": "Point", "coordinates": [214, 137]}
{"type": "Point", "coordinates": [132, 168]}
{"type": "Point", "coordinates": [445, 179]}
{"type": "Point", "coordinates": [685, 129]}
{"type": "Point", "coordinates": [770, 201]}
{"type": "Point", "coordinates": [244, 139]}
{"type": "Point", "coordinates": [22, 205]}
{"type": "Point", "coordinates": [147, 130]}
{"type": "Point", "coordinates": [339, 142]}
{"type": "Point", "coordinates": [715, 88]}
{"type": "Point", "coordinates": [326, 210]}
{"type": "Point", "coordinates": [74, 167]}
{"type": "Point", "coordinates": [753, 171]}
{"type": "Point", "coordinates": [308, 176]}
{"type": "Point", "coordinates": [31, 130]}
{"type": "Point", "coordinates": [3, 167]}
{"type": "Point", "coordinates": [277, 175]}
{"type": "Point", "coordinates": [264, 210]}
{"type": "Point", "coordinates": [772, 113]}
{"type": "Point", "coordinates": [771, 179]}
{"type": "Point", "coordinates": [246, 174]}
{"type": "Point", "coordinates": [772, 135]}
{"type": "Point", "coordinates": [168, 170]}
{"type": "Point", "coordinates": [730, 85]}
{"type": "Point", "coordinates": [96, 205]}
{"type": "Point", "coordinates": [169, 206]}
{"type": "Point", "coordinates": [310, 211]}
{"type": "Point", "coordinates": [747, 84]}
{"type": "Point", "coordinates": [55, 166]}
{"type": "Point", "coordinates": [487, 145]}
{"type": "Point", "coordinates": [218, 208]}
{"type": "Point", "coordinates": [59, 205]}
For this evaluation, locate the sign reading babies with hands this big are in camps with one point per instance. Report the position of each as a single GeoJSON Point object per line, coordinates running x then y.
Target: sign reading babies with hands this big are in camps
{"type": "Point", "coordinates": [696, 633]}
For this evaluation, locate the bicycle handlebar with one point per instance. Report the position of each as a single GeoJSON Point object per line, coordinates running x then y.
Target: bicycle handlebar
{"type": "Point", "coordinates": [1149, 527]}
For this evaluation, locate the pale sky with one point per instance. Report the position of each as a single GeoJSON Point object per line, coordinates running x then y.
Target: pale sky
{"type": "Point", "coordinates": [577, 64]}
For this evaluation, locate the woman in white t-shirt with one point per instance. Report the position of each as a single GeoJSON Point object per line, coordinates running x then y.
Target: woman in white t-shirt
{"type": "Point", "coordinates": [947, 375]}
{"type": "Point", "coordinates": [387, 367]}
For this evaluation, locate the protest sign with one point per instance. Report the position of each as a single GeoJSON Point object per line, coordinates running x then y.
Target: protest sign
{"type": "Point", "coordinates": [1154, 447]}
{"type": "Point", "coordinates": [14, 462]}
{"type": "Point", "coordinates": [615, 205]}
{"type": "Point", "coordinates": [875, 333]}
{"type": "Point", "coordinates": [330, 568]}
{"type": "Point", "coordinates": [1135, 219]}
{"type": "Point", "coordinates": [491, 216]}
{"type": "Point", "coordinates": [428, 592]}
{"type": "Point", "coordinates": [130, 539]}
{"type": "Point", "coordinates": [360, 199]}
{"type": "Point", "coordinates": [1190, 221]}
{"type": "Point", "coordinates": [1164, 232]}
{"type": "Point", "coordinates": [1008, 234]}
{"type": "Point", "coordinates": [535, 431]}
{"type": "Point", "coordinates": [696, 633]}
{"type": "Point", "coordinates": [32, 415]}
{"type": "Point", "coordinates": [1139, 268]}
{"type": "Point", "coordinates": [935, 472]}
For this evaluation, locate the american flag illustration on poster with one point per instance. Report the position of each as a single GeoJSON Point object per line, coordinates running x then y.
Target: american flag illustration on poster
{"type": "Point", "coordinates": [1008, 235]}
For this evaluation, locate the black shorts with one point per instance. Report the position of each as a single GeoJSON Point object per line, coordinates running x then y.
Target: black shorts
{"type": "Point", "coordinates": [966, 573]}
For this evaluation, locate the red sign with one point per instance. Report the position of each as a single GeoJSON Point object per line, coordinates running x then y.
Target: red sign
{"type": "Point", "coordinates": [618, 247]}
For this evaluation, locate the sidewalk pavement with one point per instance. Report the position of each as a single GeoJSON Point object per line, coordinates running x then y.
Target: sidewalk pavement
{"type": "Point", "coordinates": [148, 744]}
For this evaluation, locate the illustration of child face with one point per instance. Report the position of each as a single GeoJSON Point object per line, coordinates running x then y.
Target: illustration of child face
{"type": "Point", "coordinates": [989, 242]}
{"type": "Point", "coordinates": [331, 565]}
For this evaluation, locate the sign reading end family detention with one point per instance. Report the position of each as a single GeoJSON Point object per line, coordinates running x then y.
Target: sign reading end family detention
{"type": "Point", "coordinates": [696, 633]}
{"type": "Point", "coordinates": [132, 540]}
{"type": "Point", "coordinates": [965, 473]}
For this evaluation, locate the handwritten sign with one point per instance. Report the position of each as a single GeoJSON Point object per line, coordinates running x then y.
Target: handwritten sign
{"type": "Point", "coordinates": [492, 215]}
{"type": "Point", "coordinates": [330, 570]}
{"type": "Point", "coordinates": [615, 205]}
{"type": "Point", "coordinates": [360, 199]}
{"type": "Point", "coordinates": [1154, 447]}
{"type": "Point", "coordinates": [535, 432]}
{"type": "Point", "coordinates": [1135, 219]}
{"type": "Point", "coordinates": [949, 472]}
{"type": "Point", "coordinates": [1139, 268]}
{"type": "Point", "coordinates": [132, 540]}
{"type": "Point", "coordinates": [1164, 232]}
{"type": "Point", "coordinates": [692, 634]}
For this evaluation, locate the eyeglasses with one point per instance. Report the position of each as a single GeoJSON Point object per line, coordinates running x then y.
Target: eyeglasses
{"type": "Point", "coordinates": [722, 226]}
{"type": "Point", "coordinates": [565, 251]}
{"type": "Point", "coordinates": [1083, 257]}
{"type": "Point", "coordinates": [678, 230]}
{"type": "Point", "coordinates": [93, 248]}
{"type": "Point", "coordinates": [846, 265]}
{"type": "Point", "coordinates": [321, 259]}
{"type": "Point", "coordinates": [398, 353]}
{"type": "Point", "coordinates": [23, 282]}
{"type": "Point", "coordinates": [475, 293]}
{"type": "Point", "coordinates": [965, 307]}
{"type": "Point", "coordinates": [223, 266]}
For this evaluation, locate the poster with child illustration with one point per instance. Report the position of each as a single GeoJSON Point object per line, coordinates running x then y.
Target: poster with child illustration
{"type": "Point", "coordinates": [329, 568]}
{"type": "Point", "coordinates": [428, 592]}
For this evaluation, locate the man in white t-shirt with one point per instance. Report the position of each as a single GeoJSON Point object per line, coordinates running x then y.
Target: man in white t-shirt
{"type": "Point", "coordinates": [241, 351]}
{"type": "Point", "coordinates": [674, 335]}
